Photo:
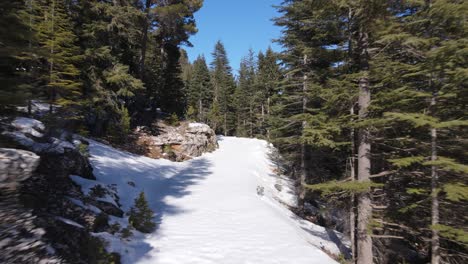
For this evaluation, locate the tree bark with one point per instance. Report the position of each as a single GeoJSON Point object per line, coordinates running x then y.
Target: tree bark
{"type": "Point", "coordinates": [364, 245]}
{"type": "Point", "coordinates": [364, 208]}
{"type": "Point", "coordinates": [352, 210]}
{"type": "Point", "coordinates": [268, 117]}
{"type": "Point", "coordinates": [200, 111]}
{"type": "Point", "coordinates": [225, 124]}
{"type": "Point", "coordinates": [303, 146]}
{"type": "Point", "coordinates": [51, 69]}
{"type": "Point", "coordinates": [435, 240]}
{"type": "Point", "coordinates": [144, 40]}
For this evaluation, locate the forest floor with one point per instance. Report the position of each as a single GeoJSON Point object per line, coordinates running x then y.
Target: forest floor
{"type": "Point", "coordinates": [224, 207]}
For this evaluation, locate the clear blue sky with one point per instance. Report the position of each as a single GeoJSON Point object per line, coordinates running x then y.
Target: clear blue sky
{"type": "Point", "coordinates": [239, 24]}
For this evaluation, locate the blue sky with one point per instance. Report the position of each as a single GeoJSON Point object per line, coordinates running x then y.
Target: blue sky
{"type": "Point", "coordinates": [239, 24]}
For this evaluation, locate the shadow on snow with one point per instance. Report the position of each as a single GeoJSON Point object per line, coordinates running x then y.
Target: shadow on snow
{"type": "Point", "coordinates": [159, 179]}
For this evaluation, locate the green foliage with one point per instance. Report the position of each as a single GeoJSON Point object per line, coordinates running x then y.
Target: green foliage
{"type": "Point", "coordinates": [173, 120]}
{"type": "Point", "coordinates": [100, 222]}
{"type": "Point", "coordinates": [406, 162]}
{"type": "Point", "coordinates": [456, 192]}
{"type": "Point", "coordinates": [352, 187]}
{"type": "Point", "coordinates": [14, 53]}
{"type": "Point", "coordinates": [455, 234]}
{"type": "Point", "coordinates": [191, 113]}
{"type": "Point", "coordinates": [223, 95]}
{"type": "Point", "coordinates": [84, 150]}
{"type": "Point", "coordinates": [126, 233]}
{"type": "Point", "coordinates": [94, 251]}
{"type": "Point", "coordinates": [141, 216]}
{"type": "Point", "coordinates": [200, 90]}
{"type": "Point", "coordinates": [448, 165]}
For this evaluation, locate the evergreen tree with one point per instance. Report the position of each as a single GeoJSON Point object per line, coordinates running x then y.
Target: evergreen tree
{"type": "Point", "coordinates": [200, 92]}
{"type": "Point", "coordinates": [57, 38]}
{"type": "Point", "coordinates": [223, 92]}
{"type": "Point", "coordinates": [268, 76]}
{"type": "Point", "coordinates": [244, 97]}
{"type": "Point", "coordinates": [15, 36]}
{"type": "Point", "coordinates": [141, 216]}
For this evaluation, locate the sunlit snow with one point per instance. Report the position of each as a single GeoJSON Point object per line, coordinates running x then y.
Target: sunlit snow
{"type": "Point", "coordinates": [208, 209]}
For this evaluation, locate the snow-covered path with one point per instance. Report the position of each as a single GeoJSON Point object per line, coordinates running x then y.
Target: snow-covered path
{"type": "Point", "coordinates": [208, 209]}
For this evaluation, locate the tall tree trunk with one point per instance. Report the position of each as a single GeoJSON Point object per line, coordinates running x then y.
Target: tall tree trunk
{"type": "Point", "coordinates": [225, 124]}
{"type": "Point", "coordinates": [51, 69]}
{"type": "Point", "coordinates": [352, 209]}
{"type": "Point", "coordinates": [364, 207]}
{"type": "Point", "coordinates": [251, 121]}
{"type": "Point", "coordinates": [303, 146]}
{"type": "Point", "coordinates": [435, 240]}
{"type": "Point", "coordinates": [144, 40]}
{"type": "Point", "coordinates": [268, 117]}
{"type": "Point", "coordinates": [30, 8]}
{"type": "Point", "coordinates": [200, 111]}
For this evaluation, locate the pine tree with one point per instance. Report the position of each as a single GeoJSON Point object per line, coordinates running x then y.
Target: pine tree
{"type": "Point", "coordinates": [141, 216]}
{"type": "Point", "coordinates": [57, 38]}
{"type": "Point", "coordinates": [200, 91]}
{"type": "Point", "coordinates": [244, 97]}
{"type": "Point", "coordinates": [223, 91]}
{"type": "Point", "coordinates": [268, 76]}
{"type": "Point", "coordinates": [15, 37]}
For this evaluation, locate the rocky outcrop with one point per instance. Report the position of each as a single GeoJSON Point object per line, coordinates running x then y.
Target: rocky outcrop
{"type": "Point", "coordinates": [21, 240]}
{"type": "Point", "coordinates": [177, 143]}
{"type": "Point", "coordinates": [60, 157]}
{"type": "Point", "coordinates": [43, 218]}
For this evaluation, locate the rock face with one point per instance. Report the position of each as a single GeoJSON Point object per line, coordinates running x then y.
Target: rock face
{"type": "Point", "coordinates": [21, 240]}
{"type": "Point", "coordinates": [43, 218]}
{"type": "Point", "coordinates": [59, 157]}
{"type": "Point", "coordinates": [186, 141]}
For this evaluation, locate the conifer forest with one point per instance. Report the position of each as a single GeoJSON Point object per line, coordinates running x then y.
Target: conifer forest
{"type": "Point", "coordinates": [361, 116]}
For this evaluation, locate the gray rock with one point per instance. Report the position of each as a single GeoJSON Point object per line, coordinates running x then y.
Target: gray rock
{"type": "Point", "coordinates": [16, 165]}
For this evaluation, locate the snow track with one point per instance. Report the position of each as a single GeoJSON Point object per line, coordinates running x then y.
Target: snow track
{"type": "Point", "coordinates": [208, 210]}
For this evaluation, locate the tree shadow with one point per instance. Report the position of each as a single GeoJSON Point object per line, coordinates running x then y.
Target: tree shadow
{"type": "Point", "coordinates": [158, 179]}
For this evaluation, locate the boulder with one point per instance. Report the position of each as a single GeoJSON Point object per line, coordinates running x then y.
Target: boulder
{"type": "Point", "coordinates": [16, 165]}
{"type": "Point", "coordinates": [59, 157]}
{"type": "Point", "coordinates": [177, 143]}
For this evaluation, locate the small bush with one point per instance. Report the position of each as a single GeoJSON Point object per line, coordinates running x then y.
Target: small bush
{"type": "Point", "coordinates": [114, 228]}
{"type": "Point", "coordinates": [101, 222]}
{"type": "Point", "coordinates": [94, 251]}
{"type": "Point", "coordinates": [141, 216]}
{"type": "Point", "coordinates": [126, 233]}
{"type": "Point", "coordinates": [173, 120]}
{"type": "Point", "coordinates": [84, 150]}
{"type": "Point", "coordinates": [98, 191]}
{"type": "Point", "coordinates": [191, 113]}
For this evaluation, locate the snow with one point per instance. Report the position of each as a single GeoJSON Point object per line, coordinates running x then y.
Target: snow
{"type": "Point", "coordinates": [85, 206]}
{"type": "Point", "coordinates": [208, 209]}
{"type": "Point", "coordinates": [195, 125]}
{"type": "Point", "coordinates": [38, 108]}
{"type": "Point", "coordinates": [69, 222]}
{"type": "Point", "coordinates": [28, 126]}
